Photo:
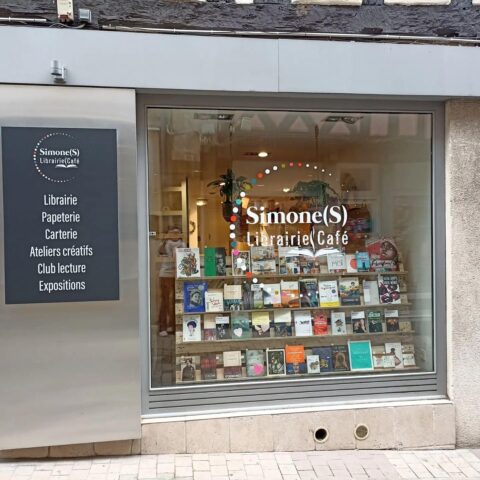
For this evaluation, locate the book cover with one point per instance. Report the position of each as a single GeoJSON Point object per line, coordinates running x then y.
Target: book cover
{"type": "Point", "coordinates": [405, 326]}
{"type": "Point", "coordinates": [308, 292]}
{"type": "Point", "coordinates": [187, 369]}
{"type": "Point", "coordinates": [208, 366]}
{"type": "Point", "coordinates": [313, 364]}
{"type": "Point", "coordinates": [282, 323]}
{"type": "Point", "coordinates": [388, 360]}
{"type": "Point", "coordinates": [232, 297]}
{"type": "Point", "coordinates": [194, 297]}
{"type": "Point", "coordinates": [325, 358]}
{"type": "Point", "coordinates": [303, 323]}
{"type": "Point", "coordinates": [328, 291]}
{"type": "Point", "coordinates": [374, 320]}
{"type": "Point", "coordinates": [276, 361]}
{"type": "Point", "coordinates": [360, 355]}
{"type": "Point", "coordinates": [192, 331]}
{"type": "Point", "coordinates": [209, 262]}
{"type": "Point", "coordinates": [408, 352]}
{"type": "Point", "coordinates": [358, 322]}
{"type": "Point", "coordinates": [363, 261]}
{"type": "Point", "coordinates": [370, 292]}
{"type": "Point", "coordinates": [188, 262]}
{"type": "Point", "coordinates": [214, 301]}
{"type": "Point", "coordinates": [247, 296]}
{"type": "Point", "coordinates": [295, 359]}
{"type": "Point", "coordinates": [349, 290]}
{"type": "Point", "coordinates": [263, 260]}
{"type": "Point", "coordinates": [209, 328]}
{"type": "Point", "coordinates": [257, 294]}
{"type": "Point", "coordinates": [288, 260]}
{"type": "Point", "coordinates": [241, 325]}
{"type": "Point", "coordinates": [340, 358]}
{"type": "Point", "coordinates": [383, 255]}
{"type": "Point", "coordinates": [378, 352]}
{"type": "Point", "coordinates": [391, 320]}
{"type": "Point", "coordinates": [320, 323]}
{"type": "Point", "coordinates": [255, 360]}
{"type": "Point", "coordinates": [339, 323]}
{"type": "Point", "coordinates": [272, 297]}
{"type": "Point", "coordinates": [336, 262]}
{"type": "Point", "coordinates": [389, 289]}
{"type": "Point", "coordinates": [308, 264]}
{"type": "Point", "coordinates": [290, 294]}
{"type": "Point", "coordinates": [220, 262]}
{"type": "Point", "coordinates": [241, 262]}
{"type": "Point", "coordinates": [232, 364]}
{"type": "Point", "coordinates": [261, 324]}
{"type": "Point", "coordinates": [222, 324]}
{"type": "Point", "coordinates": [351, 262]}
{"type": "Point", "coordinates": [395, 349]}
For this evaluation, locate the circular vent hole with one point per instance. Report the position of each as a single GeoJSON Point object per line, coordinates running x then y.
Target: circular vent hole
{"type": "Point", "coordinates": [361, 431]}
{"type": "Point", "coordinates": [321, 435]}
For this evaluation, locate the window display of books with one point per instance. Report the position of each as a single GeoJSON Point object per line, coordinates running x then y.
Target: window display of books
{"type": "Point", "coordinates": [266, 316]}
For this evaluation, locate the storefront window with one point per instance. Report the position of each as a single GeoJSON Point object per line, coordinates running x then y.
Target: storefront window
{"type": "Point", "coordinates": [289, 245]}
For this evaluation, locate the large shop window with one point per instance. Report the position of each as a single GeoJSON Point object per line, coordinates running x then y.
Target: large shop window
{"type": "Point", "coordinates": [289, 245]}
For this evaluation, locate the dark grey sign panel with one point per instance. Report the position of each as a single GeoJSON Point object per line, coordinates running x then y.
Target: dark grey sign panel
{"type": "Point", "coordinates": [60, 214]}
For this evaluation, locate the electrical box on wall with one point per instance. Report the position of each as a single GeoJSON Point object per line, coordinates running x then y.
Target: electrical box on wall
{"type": "Point", "coordinates": [65, 10]}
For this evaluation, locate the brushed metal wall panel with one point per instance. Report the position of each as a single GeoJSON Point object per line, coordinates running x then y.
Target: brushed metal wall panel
{"type": "Point", "coordinates": [70, 372]}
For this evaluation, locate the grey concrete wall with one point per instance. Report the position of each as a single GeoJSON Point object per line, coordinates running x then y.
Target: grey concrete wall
{"type": "Point", "coordinates": [463, 260]}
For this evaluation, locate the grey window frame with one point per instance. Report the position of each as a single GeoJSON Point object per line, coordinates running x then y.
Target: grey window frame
{"type": "Point", "coordinates": [303, 392]}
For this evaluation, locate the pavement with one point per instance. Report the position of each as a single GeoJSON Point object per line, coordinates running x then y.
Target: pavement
{"type": "Point", "coordinates": [317, 465]}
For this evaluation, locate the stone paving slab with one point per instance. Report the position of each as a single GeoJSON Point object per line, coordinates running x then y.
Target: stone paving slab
{"type": "Point", "coordinates": [316, 465]}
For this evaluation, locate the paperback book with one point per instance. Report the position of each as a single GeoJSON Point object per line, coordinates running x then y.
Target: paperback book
{"type": "Point", "coordinates": [214, 301]}
{"type": "Point", "coordinates": [308, 264]}
{"type": "Point", "coordinates": [188, 262]}
{"type": "Point", "coordinates": [349, 290]}
{"type": "Point", "coordinates": [194, 297]}
{"type": "Point", "coordinates": [370, 292]}
{"type": "Point", "coordinates": [295, 359]}
{"type": "Point", "coordinates": [351, 262]}
{"type": "Point", "coordinates": [241, 262]}
{"type": "Point", "coordinates": [187, 369]}
{"type": "Point", "coordinates": [215, 262]}
{"type": "Point", "coordinates": [303, 323]}
{"type": "Point", "coordinates": [282, 323]}
{"type": "Point", "coordinates": [405, 326]}
{"type": "Point", "coordinates": [276, 361]}
{"type": "Point", "coordinates": [209, 327]}
{"type": "Point", "coordinates": [358, 322]}
{"type": "Point", "coordinates": [263, 260]}
{"type": "Point", "coordinates": [339, 324]}
{"type": "Point", "coordinates": [363, 261]}
{"type": "Point", "coordinates": [192, 331]}
{"type": "Point", "coordinates": [340, 358]}
{"type": "Point", "coordinates": [389, 289]}
{"type": "Point", "coordinates": [247, 296]}
{"type": "Point", "coordinates": [208, 366]}
{"type": "Point", "coordinates": [232, 364]}
{"type": "Point", "coordinates": [408, 352]}
{"type": "Point", "coordinates": [257, 294]}
{"type": "Point", "coordinates": [391, 320]}
{"type": "Point", "coordinates": [255, 360]}
{"type": "Point", "coordinates": [290, 295]}
{"type": "Point", "coordinates": [313, 364]}
{"type": "Point", "coordinates": [288, 260]}
{"type": "Point", "coordinates": [325, 358]}
{"type": "Point", "coordinates": [261, 324]}
{"type": "Point", "coordinates": [272, 297]}
{"type": "Point", "coordinates": [241, 325]}
{"type": "Point", "coordinates": [336, 262]}
{"type": "Point", "coordinates": [378, 352]}
{"type": "Point", "coordinates": [374, 320]}
{"type": "Point", "coordinates": [222, 323]}
{"type": "Point", "coordinates": [329, 293]}
{"type": "Point", "coordinates": [383, 255]}
{"type": "Point", "coordinates": [320, 322]}
{"type": "Point", "coordinates": [360, 355]}
{"type": "Point", "coordinates": [232, 297]}
{"type": "Point", "coordinates": [395, 349]}
{"type": "Point", "coordinates": [308, 292]}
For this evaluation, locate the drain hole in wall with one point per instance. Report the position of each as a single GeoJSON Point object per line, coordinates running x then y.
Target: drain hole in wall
{"type": "Point", "coordinates": [321, 435]}
{"type": "Point", "coordinates": [361, 432]}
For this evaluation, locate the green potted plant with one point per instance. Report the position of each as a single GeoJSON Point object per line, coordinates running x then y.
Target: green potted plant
{"type": "Point", "coordinates": [229, 187]}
